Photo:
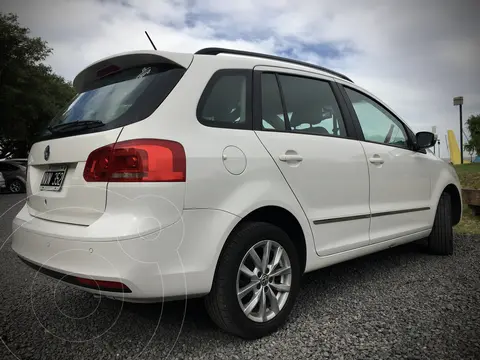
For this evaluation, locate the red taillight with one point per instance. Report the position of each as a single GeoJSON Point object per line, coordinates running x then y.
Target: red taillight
{"type": "Point", "coordinates": [101, 284]}
{"type": "Point", "coordinates": [142, 160]}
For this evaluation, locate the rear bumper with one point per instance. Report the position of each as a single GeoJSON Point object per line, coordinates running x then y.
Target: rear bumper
{"type": "Point", "coordinates": [175, 262]}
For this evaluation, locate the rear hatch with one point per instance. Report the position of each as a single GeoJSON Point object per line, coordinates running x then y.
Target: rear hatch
{"type": "Point", "coordinates": [112, 93]}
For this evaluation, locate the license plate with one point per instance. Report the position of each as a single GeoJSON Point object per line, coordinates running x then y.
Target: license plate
{"type": "Point", "coordinates": [53, 178]}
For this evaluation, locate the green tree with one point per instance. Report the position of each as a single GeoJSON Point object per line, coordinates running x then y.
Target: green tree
{"type": "Point", "coordinates": [473, 125]}
{"type": "Point", "coordinates": [30, 93]}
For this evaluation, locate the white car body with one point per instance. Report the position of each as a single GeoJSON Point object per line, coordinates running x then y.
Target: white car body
{"type": "Point", "coordinates": [163, 240]}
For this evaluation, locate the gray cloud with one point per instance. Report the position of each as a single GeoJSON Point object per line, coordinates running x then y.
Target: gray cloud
{"type": "Point", "coordinates": [416, 55]}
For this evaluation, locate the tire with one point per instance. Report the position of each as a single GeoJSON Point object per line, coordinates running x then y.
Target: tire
{"type": "Point", "coordinates": [16, 187]}
{"type": "Point", "coordinates": [222, 302]}
{"type": "Point", "coordinates": [440, 241]}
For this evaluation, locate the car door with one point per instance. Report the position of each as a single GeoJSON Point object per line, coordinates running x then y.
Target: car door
{"type": "Point", "coordinates": [298, 120]}
{"type": "Point", "coordinates": [399, 179]}
{"type": "Point", "coordinates": [8, 170]}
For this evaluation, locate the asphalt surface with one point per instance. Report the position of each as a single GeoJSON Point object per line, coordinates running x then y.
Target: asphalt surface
{"type": "Point", "coordinates": [397, 304]}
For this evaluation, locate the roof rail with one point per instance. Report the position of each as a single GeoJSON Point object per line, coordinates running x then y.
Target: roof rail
{"type": "Point", "coordinates": [216, 51]}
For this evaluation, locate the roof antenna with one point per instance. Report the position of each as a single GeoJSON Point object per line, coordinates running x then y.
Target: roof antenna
{"type": "Point", "coordinates": [151, 42]}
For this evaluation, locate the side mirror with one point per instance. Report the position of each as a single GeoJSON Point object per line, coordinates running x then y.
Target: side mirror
{"type": "Point", "coordinates": [425, 139]}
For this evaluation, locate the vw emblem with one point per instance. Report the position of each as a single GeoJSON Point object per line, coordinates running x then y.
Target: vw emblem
{"type": "Point", "coordinates": [264, 280]}
{"type": "Point", "coordinates": [46, 153]}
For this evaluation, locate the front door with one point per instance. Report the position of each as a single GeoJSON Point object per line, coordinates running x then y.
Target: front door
{"type": "Point", "coordinates": [311, 143]}
{"type": "Point", "coordinates": [399, 182]}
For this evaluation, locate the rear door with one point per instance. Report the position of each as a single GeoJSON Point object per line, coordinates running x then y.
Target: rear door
{"type": "Point", "coordinates": [113, 93]}
{"type": "Point", "coordinates": [399, 179]}
{"type": "Point", "coordinates": [314, 146]}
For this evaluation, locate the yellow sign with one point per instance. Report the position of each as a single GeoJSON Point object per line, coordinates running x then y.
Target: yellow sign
{"type": "Point", "coordinates": [454, 149]}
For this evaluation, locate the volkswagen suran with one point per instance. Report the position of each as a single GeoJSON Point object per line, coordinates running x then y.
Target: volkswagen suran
{"type": "Point", "coordinates": [226, 175]}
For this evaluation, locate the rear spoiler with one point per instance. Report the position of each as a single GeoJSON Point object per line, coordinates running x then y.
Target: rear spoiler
{"type": "Point", "coordinates": [127, 60]}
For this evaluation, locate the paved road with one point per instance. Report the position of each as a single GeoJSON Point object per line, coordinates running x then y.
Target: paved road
{"type": "Point", "coordinates": [397, 304]}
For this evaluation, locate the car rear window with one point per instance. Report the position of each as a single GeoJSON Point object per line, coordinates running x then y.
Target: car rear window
{"type": "Point", "coordinates": [119, 98]}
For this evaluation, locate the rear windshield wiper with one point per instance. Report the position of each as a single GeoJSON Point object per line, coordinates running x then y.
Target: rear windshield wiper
{"type": "Point", "coordinates": [75, 125]}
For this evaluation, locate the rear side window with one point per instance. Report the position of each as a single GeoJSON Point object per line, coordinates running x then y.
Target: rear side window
{"type": "Point", "coordinates": [311, 106]}
{"type": "Point", "coordinates": [225, 101]}
{"type": "Point", "coordinates": [120, 98]}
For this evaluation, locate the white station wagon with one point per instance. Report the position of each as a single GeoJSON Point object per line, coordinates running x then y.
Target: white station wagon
{"type": "Point", "coordinates": [227, 175]}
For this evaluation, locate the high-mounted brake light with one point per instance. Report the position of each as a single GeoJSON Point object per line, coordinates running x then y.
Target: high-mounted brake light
{"type": "Point", "coordinates": [108, 70]}
{"type": "Point", "coordinates": [140, 160]}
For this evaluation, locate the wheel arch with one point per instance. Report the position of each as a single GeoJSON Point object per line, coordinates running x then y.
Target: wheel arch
{"type": "Point", "coordinates": [456, 201]}
{"type": "Point", "coordinates": [285, 220]}
{"type": "Point", "coordinates": [15, 177]}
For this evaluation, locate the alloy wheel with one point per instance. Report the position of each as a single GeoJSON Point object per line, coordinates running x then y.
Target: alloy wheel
{"type": "Point", "coordinates": [15, 187]}
{"type": "Point", "coordinates": [263, 281]}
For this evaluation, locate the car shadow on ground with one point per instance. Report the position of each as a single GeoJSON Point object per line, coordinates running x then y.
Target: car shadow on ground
{"type": "Point", "coordinates": [317, 283]}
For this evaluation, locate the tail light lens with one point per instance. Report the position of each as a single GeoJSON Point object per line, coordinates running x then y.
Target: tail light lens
{"type": "Point", "coordinates": [140, 160]}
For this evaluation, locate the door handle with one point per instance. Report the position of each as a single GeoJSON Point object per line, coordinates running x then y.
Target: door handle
{"type": "Point", "coordinates": [290, 157]}
{"type": "Point", "coordinates": [376, 159]}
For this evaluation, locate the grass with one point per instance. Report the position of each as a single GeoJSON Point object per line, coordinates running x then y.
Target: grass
{"type": "Point", "coordinates": [469, 175]}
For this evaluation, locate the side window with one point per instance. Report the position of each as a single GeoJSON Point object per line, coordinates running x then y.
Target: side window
{"type": "Point", "coordinates": [224, 100]}
{"type": "Point", "coordinates": [311, 106]}
{"type": "Point", "coordinates": [377, 123]}
{"type": "Point", "coordinates": [272, 110]}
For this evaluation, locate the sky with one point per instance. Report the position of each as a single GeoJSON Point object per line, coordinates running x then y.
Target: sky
{"type": "Point", "coordinates": [415, 55]}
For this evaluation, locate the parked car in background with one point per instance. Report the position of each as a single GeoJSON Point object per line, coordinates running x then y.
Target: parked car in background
{"type": "Point", "coordinates": [20, 161]}
{"type": "Point", "coordinates": [15, 175]}
{"type": "Point", "coordinates": [2, 182]}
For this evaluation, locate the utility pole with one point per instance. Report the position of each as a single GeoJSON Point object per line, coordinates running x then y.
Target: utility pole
{"type": "Point", "coordinates": [458, 100]}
